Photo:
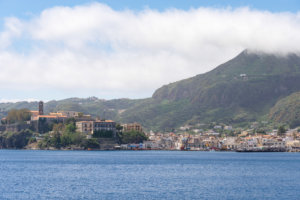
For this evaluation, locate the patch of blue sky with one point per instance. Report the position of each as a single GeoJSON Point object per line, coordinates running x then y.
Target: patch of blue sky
{"type": "Point", "coordinates": [102, 46]}
{"type": "Point", "coordinates": [21, 46]}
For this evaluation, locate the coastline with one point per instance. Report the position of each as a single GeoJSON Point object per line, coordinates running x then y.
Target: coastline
{"type": "Point", "coordinates": [275, 150]}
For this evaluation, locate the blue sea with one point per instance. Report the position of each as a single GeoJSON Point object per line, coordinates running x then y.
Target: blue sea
{"type": "Point", "coordinates": [26, 174]}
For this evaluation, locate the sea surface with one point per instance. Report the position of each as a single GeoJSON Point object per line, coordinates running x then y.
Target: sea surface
{"type": "Point", "coordinates": [26, 174]}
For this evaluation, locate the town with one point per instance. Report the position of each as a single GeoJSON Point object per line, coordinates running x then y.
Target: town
{"type": "Point", "coordinates": [75, 130]}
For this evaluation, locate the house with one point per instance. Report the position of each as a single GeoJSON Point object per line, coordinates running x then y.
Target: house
{"type": "Point", "coordinates": [85, 127]}
{"type": "Point", "coordinates": [229, 143]}
{"type": "Point", "coordinates": [133, 127]}
{"type": "Point", "coordinates": [217, 127]}
{"type": "Point", "coordinates": [228, 128]}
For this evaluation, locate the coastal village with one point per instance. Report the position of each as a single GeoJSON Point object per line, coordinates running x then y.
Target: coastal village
{"type": "Point", "coordinates": [192, 138]}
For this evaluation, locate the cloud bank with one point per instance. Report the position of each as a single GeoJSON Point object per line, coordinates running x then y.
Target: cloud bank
{"type": "Point", "coordinates": [94, 50]}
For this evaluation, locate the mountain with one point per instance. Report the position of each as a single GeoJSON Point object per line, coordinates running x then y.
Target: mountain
{"type": "Point", "coordinates": [287, 110]}
{"type": "Point", "coordinates": [241, 90]}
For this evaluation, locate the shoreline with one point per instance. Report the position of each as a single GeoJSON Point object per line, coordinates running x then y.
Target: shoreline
{"type": "Point", "coordinates": [210, 151]}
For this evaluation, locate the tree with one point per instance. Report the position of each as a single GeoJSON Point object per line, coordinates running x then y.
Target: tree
{"type": "Point", "coordinates": [68, 138]}
{"type": "Point", "coordinates": [15, 140]}
{"type": "Point", "coordinates": [281, 131]}
{"type": "Point", "coordinates": [15, 115]}
{"type": "Point", "coordinates": [70, 128]}
{"type": "Point", "coordinates": [65, 139]}
{"type": "Point", "coordinates": [58, 127]}
{"type": "Point", "coordinates": [261, 131]}
{"type": "Point", "coordinates": [71, 121]}
{"type": "Point", "coordinates": [91, 143]}
{"type": "Point", "coordinates": [45, 143]}
{"type": "Point", "coordinates": [133, 137]}
{"type": "Point", "coordinates": [103, 134]}
{"type": "Point", "coordinates": [55, 140]}
{"type": "Point", "coordinates": [119, 127]}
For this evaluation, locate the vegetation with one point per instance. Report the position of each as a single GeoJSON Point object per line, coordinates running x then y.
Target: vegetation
{"type": "Point", "coordinates": [133, 137]}
{"type": "Point", "coordinates": [15, 140]}
{"type": "Point", "coordinates": [17, 116]}
{"type": "Point", "coordinates": [103, 134]}
{"type": "Point", "coordinates": [62, 136]}
{"type": "Point", "coordinates": [287, 110]}
{"type": "Point", "coordinates": [44, 126]}
{"type": "Point", "coordinates": [91, 143]}
{"type": "Point", "coordinates": [281, 130]}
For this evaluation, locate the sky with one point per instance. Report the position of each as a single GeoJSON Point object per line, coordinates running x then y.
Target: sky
{"type": "Point", "coordinates": [56, 49]}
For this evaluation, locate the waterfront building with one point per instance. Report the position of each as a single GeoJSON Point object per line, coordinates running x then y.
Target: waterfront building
{"type": "Point", "coordinates": [90, 127]}
{"type": "Point", "coordinates": [104, 125]}
{"type": "Point", "coordinates": [85, 127]}
{"type": "Point", "coordinates": [229, 143]}
{"type": "Point", "coordinates": [133, 127]}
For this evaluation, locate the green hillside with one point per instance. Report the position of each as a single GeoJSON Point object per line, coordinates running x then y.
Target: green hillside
{"type": "Point", "coordinates": [94, 106]}
{"type": "Point", "coordinates": [287, 110]}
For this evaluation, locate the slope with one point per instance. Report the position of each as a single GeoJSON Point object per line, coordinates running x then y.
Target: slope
{"type": "Point", "coordinates": [287, 110]}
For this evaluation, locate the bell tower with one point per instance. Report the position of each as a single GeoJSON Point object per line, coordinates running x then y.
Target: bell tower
{"type": "Point", "coordinates": [41, 108]}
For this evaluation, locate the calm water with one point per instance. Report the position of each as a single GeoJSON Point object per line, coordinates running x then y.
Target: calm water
{"type": "Point", "coordinates": [148, 175]}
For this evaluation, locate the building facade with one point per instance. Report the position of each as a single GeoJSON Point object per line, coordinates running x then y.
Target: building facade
{"type": "Point", "coordinates": [90, 127]}
{"type": "Point", "coordinates": [133, 127]}
{"type": "Point", "coordinates": [85, 127]}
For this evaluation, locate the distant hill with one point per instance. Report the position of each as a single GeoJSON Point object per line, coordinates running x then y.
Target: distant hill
{"type": "Point", "coordinates": [287, 110]}
{"type": "Point", "coordinates": [241, 90]}
{"type": "Point", "coordinates": [94, 106]}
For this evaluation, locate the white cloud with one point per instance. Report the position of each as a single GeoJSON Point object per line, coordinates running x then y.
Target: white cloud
{"type": "Point", "coordinates": [130, 54]}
